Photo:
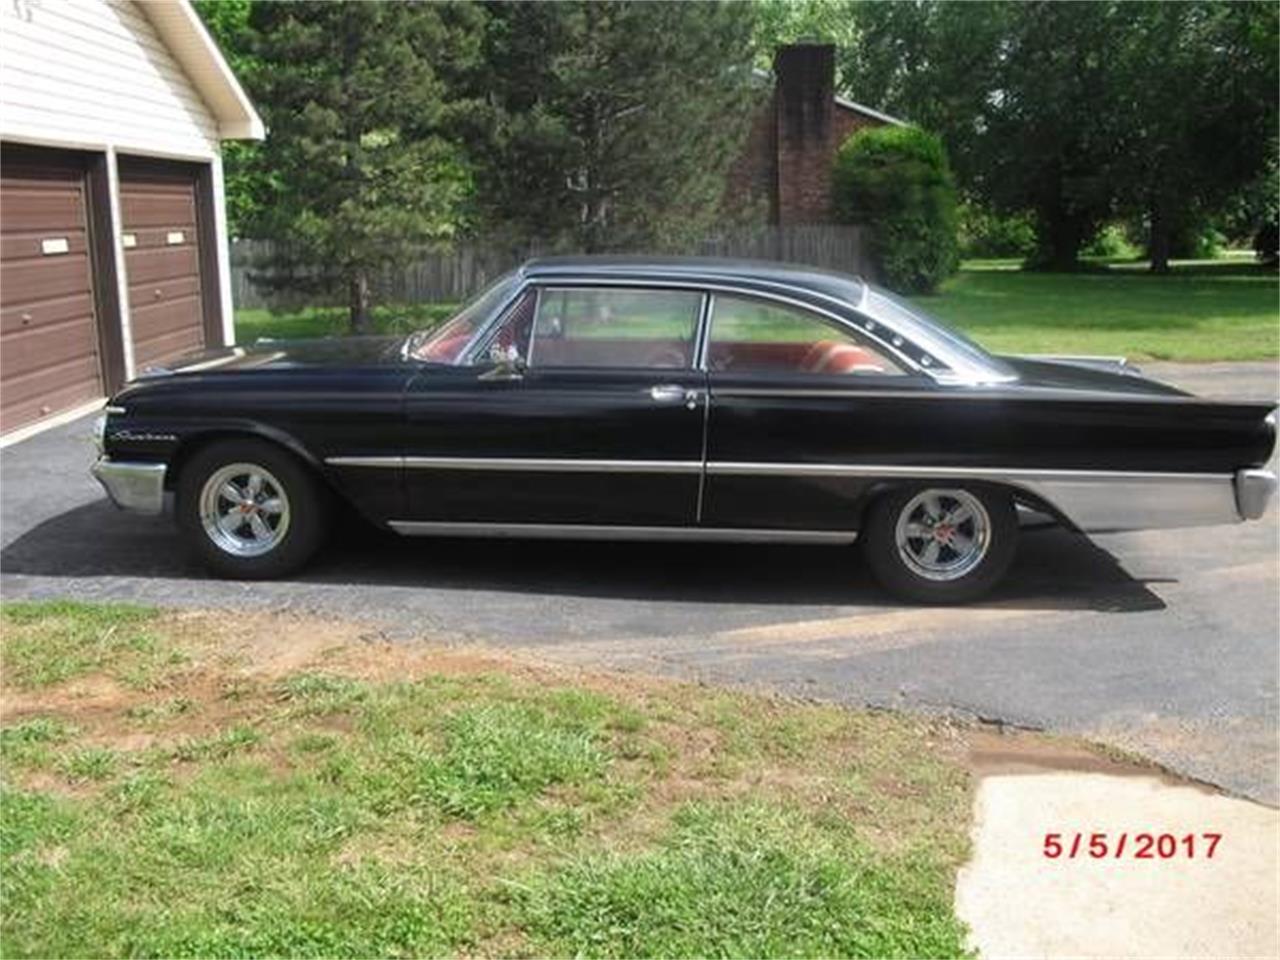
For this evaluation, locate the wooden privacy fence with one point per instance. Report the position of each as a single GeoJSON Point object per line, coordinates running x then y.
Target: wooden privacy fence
{"type": "Point", "coordinates": [454, 274]}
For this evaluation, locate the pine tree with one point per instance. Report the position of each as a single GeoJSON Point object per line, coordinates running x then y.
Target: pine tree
{"type": "Point", "coordinates": [609, 125]}
{"type": "Point", "coordinates": [355, 97]}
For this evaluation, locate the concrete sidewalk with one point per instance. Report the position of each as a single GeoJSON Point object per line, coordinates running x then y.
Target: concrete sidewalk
{"type": "Point", "coordinates": [1186, 897]}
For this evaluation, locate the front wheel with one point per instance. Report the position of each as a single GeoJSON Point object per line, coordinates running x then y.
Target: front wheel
{"type": "Point", "coordinates": [940, 544]}
{"type": "Point", "coordinates": [250, 510]}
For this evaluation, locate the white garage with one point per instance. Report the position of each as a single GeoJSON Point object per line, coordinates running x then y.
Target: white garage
{"type": "Point", "coordinates": [113, 241]}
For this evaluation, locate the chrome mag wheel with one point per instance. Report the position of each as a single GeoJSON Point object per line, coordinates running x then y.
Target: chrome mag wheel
{"type": "Point", "coordinates": [244, 509]}
{"type": "Point", "coordinates": [943, 534]}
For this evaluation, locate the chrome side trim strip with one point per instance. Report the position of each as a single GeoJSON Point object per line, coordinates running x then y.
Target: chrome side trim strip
{"type": "Point", "coordinates": [732, 468]}
{"type": "Point", "coordinates": [522, 464]}
{"type": "Point", "coordinates": [574, 531]}
{"type": "Point", "coordinates": [136, 487]}
{"type": "Point", "coordinates": [990, 390]}
{"type": "Point", "coordinates": [850, 392]}
{"type": "Point", "coordinates": [553, 465]}
{"type": "Point", "coordinates": [388, 462]}
{"type": "Point", "coordinates": [740, 468]}
{"type": "Point", "coordinates": [791, 469]}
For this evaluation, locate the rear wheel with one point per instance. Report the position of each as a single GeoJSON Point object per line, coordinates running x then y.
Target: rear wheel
{"type": "Point", "coordinates": [941, 544]}
{"type": "Point", "coordinates": [250, 510]}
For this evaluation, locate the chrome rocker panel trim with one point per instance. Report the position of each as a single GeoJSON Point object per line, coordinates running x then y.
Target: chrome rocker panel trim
{"type": "Point", "coordinates": [136, 487]}
{"type": "Point", "coordinates": [1095, 501]}
{"type": "Point", "coordinates": [577, 531]}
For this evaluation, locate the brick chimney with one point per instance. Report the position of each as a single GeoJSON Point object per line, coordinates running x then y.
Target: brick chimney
{"type": "Point", "coordinates": [804, 104]}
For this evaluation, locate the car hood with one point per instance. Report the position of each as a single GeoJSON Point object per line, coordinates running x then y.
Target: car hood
{"type": "Point", "coordinates": [1087, 374]}
{"type": "Point", "coordinates": [281, 354]}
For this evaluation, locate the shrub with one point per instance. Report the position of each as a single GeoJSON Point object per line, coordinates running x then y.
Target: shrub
{"type": "Point", "coordinates": [897, 181]}
{"type": "Point", "coordinates": [1199, 242]}
{"type": "Point", "coordinates": [984, 233]}
{"type": "Point", "coordinates": [1112, 243]}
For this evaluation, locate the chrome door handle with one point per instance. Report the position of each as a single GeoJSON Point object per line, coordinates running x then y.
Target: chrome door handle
{"type": "Point", "coordinates": [667, 393]}
{"type": "Point", "coordinates": [673, 393]}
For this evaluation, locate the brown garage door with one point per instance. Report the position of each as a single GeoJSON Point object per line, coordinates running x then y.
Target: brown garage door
{"type": "Point", "coordinates": [158, 206]}
{"type": "Point", "coordinates": [49, 348]}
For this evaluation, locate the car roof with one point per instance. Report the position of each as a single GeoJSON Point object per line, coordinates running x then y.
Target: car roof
{"type": "Point", "coordinates": [841, 286]}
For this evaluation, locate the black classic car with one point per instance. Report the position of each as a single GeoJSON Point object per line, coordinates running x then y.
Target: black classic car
{"type": "Point", "coordinates": [677, 399]}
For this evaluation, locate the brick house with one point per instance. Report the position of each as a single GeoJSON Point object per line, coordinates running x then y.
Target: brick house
{"type": "Point", "coordinates": [785, 167]}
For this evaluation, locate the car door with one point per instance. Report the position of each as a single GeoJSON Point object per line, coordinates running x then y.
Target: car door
{"type": "Point", "coordinates": [592, 415]}
{"type": "Point", "coordinates": [793, 392]}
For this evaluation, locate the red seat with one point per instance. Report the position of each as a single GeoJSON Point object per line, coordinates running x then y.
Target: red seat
{"type": "Point", "coordinates": [829, 356]}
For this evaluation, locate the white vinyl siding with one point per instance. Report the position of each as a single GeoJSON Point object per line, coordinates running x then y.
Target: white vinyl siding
{"type": "Point", "coordinates": [96, 72]}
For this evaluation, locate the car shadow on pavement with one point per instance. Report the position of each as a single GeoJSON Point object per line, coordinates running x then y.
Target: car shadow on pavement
{"type": "Point", "coordinates": [1054, 569]}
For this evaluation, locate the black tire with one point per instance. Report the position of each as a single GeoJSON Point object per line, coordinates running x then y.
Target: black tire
{"type": "Point", "coordinates": [305, 514]}
{"type": "Point", "coordinates": [896, 573]}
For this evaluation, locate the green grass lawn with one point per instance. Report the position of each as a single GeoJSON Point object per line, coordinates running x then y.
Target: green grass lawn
{"type": "Point", "coordinates": [332, 321]}
{"type": "Point", "coordinates": [1209, 310]}
{"type": "Point", "coordinates": [1225, 309]}
{"type": "Point", "coordinates": [184, 785]}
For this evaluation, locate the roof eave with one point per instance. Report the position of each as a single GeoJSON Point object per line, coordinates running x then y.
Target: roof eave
{"type": "Point", "coordinates": [187, 39]}
{"type": "Point", "coordinates": [870, 112]}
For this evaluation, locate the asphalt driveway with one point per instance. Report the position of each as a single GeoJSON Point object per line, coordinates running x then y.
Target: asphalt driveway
{"type": "Point", "coordinates": [1163, 642]}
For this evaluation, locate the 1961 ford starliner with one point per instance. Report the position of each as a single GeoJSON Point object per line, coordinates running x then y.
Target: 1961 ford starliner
{"type": "Point", "coordinates": [648, 398]}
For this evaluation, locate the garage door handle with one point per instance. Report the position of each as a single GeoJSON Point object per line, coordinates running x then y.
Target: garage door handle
{"type": "Point", "coordinates": [159, 294]}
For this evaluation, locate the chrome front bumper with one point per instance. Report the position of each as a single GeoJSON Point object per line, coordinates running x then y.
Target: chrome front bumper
{"type": "Point", "coordinates": [1254, 489]}
{"type": "Point", "coordinates": [137, 487]}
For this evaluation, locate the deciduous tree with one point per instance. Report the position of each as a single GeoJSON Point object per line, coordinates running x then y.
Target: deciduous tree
{"type": "Point", "coordinates": [1079, 112]}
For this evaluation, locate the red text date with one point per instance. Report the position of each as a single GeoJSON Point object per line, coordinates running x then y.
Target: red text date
{"type": "Point", "coordinates": [1134, 846]}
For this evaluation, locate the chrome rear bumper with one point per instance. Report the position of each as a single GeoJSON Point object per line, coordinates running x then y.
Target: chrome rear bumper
{"type": "Point", "coordinates": [137, 487]}
{"type": "Point", "coordinates": [1254, 489]}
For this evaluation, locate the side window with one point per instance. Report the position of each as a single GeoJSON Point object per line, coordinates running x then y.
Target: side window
{"type": "Point", "coordinates": [759, 336]}
{"type": "Point", "coordinates": [512, 334]}
{"type": "Point", "coordinates": [615, 327]}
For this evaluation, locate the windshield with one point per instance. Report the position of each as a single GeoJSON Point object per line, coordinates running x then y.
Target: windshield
{"type": "Point", "coordinates": [946, 343]}
{"type": "Point", "coordinates": [446, 342]}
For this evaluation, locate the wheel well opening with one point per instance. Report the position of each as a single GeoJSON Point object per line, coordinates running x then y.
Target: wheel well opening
{"type": "Point", "coordinates": [193, 445]}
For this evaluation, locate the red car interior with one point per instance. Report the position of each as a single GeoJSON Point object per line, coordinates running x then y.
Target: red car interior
{"type": "Point", "coordinates": [824, 356]}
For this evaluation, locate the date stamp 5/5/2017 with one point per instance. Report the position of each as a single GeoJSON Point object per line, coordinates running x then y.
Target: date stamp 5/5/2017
{"type": "Point", "coordinates": [1147, 845]}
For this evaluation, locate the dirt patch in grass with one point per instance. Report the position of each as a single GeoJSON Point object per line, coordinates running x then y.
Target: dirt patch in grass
{"type": "Point", "coordinates": [339, 794]}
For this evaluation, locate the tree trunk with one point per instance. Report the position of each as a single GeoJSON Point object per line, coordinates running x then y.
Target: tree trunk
{"type": "Point", "coordinates": [358, 301]}
{"type": "Point", "coordinates": [1160, 240]}
{"type": "Point", "coordinates": [1061, 235]}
